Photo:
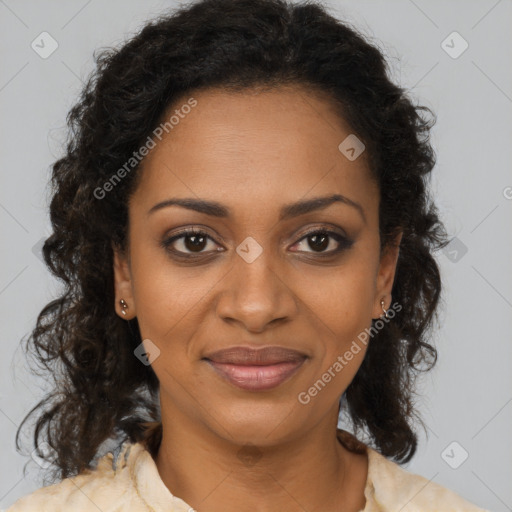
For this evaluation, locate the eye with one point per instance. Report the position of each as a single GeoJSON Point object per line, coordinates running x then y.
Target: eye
{"type": "Point", "coordinates": [321, 239]}
{"type": "Point", "coordinates": [189, 242]}
{"type": "Point", "coordinates": [192, 242]}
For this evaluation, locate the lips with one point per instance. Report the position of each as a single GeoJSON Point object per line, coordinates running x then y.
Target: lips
{"type": "Point", "coordinates": [252, 356]}
{"type": "Point", "coordinates": [256, 369]}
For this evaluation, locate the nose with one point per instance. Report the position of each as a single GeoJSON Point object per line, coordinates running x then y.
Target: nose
{"type": "Point", "coordinates": [256, 295]}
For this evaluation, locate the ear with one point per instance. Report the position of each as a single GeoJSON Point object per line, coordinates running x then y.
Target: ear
{"type": "Point", "coordinates": [123, 285]}
{"type": "Point", "coordinates": [386, 276]}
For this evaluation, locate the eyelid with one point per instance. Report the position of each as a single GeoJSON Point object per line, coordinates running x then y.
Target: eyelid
{"type": "Point", "coordinates": [327, 228]}
{"type": "Point", "coordinates": [197, 230]}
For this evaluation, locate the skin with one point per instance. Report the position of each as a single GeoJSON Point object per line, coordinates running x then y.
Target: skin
{"type": "Point", "coordinates": [223, 448]}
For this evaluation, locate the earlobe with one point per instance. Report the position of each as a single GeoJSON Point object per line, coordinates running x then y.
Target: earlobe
{"type": "Point", "coordinates": [124, 303]}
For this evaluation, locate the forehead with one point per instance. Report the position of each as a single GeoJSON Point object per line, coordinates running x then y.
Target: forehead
{"type": "Point", "coordinates": [240, 147]}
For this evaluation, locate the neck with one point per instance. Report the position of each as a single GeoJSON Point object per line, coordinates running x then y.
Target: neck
{"type": "Point", "coordinates": [307, 471]}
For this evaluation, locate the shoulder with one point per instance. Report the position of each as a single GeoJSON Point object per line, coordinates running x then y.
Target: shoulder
{"type": "Point", "coordinates": [393, 488]}
{"type": "Point", "coordinates": [105, 488]}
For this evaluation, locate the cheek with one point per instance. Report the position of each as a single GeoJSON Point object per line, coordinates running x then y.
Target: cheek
{"type": "Point", "coordinates": [339, 306]}
{"type": "Point", "coordinates": [342, 299]}
{"type": "Point", "coordinates": [166, 296]}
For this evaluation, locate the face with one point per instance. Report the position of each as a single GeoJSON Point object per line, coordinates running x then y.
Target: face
{"type": "Point", "coordinates": [255, 272]}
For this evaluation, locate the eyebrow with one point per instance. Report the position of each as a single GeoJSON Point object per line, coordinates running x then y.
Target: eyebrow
{"type": "Point", "coordinates": [288, 211]}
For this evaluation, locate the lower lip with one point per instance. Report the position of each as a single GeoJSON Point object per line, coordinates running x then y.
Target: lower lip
{"type": "Point", "coordinates": [256, 378]}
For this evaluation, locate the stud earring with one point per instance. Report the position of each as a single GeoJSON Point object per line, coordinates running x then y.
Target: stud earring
{"type": "Point", "coordinates": [382, 302]}
{"type": "Point", "coordinates": [124, 306]}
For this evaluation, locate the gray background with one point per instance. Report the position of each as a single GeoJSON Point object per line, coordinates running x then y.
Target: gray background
{"type": "Point", "coordinates": [467, 397]}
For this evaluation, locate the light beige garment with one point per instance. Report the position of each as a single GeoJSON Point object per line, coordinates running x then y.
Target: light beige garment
{"type": "Point", "coordinates": [131, 483]}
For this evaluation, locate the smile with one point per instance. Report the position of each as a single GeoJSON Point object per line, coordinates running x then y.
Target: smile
{"type": "Point", "coordinates": [254, 369]}
{"type": "Point", "coordinates": [256, 377]}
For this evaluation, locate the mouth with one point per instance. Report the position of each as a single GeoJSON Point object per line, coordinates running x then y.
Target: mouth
{"type": "Point", "coordinates": [256, 369]}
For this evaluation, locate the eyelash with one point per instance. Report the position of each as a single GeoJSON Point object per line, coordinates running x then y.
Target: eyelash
{"type": "Point", "coordinates": [344, 243]}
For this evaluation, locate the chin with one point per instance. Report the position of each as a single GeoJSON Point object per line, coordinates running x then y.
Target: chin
{"type": "Point", "coordinates": [259, 430]}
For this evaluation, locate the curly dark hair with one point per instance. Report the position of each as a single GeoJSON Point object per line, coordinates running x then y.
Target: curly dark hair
{"type": "Point", "coordinates": [101, 391]}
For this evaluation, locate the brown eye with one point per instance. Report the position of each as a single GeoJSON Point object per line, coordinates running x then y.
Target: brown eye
{"type": "Point", "coordinates": [194, 243]}
{"type": "Point", "coordinates": [320, 240]}
{"type": "Point", "coordinates": [188, 242]}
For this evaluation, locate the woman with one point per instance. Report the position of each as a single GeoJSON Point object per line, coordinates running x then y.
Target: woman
{"type": "Point", "coordinates": [243, 226]}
